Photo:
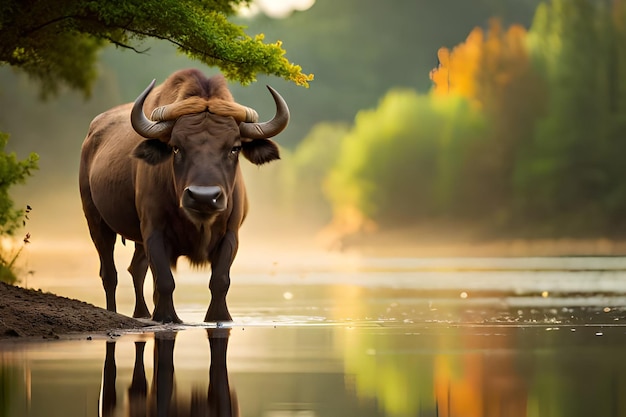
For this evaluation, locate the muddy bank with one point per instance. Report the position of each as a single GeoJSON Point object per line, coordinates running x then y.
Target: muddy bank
{"type": "Point", "coordinates": [26, 313]}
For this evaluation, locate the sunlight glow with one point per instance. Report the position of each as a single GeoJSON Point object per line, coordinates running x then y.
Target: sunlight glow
{"type": "Point", "coordinates": [277, 9]}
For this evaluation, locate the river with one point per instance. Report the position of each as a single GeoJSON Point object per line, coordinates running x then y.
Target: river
{"type": "Point", "coordinates": [340, 335]}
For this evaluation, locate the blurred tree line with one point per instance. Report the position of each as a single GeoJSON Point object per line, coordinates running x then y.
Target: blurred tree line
{"type": "Point", "coordinates": [517, 129]}
{"type": "Point", "coordinates": [521, 133]}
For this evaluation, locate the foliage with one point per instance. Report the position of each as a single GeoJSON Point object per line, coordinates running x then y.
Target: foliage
{"type": "Point", "coordinates": [523, 132]}
{"type": "Point", "coordinates": [57, 43]}
{"type": "Point", "coordinates": [494, 71]}
{"type": "Point", "coordinates": [12, 172]}
{"type": "Point", "coordinates": [8, 269]}
{"type": "Point", "coordinates": [400, 161]}
{"type": "Point", "coordinates": [572, 177]}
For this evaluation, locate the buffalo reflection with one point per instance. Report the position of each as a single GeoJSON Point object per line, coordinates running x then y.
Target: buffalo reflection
{"type": "Point", "coordinates": [162, 399]}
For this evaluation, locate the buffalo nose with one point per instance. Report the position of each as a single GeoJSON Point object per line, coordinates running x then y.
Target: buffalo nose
{"type": "Point", "coordinates": [204, 195]}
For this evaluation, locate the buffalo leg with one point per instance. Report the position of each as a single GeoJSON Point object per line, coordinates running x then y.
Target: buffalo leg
{"type": "Point", "coordinates": [158, 258]}
{"type": "Point", "coordinates": [221, 261]}
{"type": "Point", "coordinates": [138, 268]}
{"type": "Point", "coordinates": [108, 399]}
{"type": "Point", "coordinates": [221, 403]}
{"type": "Point", "coordinates": [104, 239]}
{"type": "Point", "coordinates": [138, 389]}
{"type": "Point", "coordinates": [163, 375]}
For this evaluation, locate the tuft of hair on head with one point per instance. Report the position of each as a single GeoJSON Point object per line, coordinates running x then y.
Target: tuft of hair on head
{"type": "Point", "coordinates": [195, 105]}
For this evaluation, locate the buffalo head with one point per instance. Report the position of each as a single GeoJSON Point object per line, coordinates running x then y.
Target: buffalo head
{"type": "Point", "coordinates": [202, 140]}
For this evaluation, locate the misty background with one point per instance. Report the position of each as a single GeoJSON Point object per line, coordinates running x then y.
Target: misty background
{"type": "Point", "coordinates": [498, 117]}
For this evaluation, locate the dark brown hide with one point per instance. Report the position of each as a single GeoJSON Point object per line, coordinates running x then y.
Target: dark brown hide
{"type": "Point", "coordinates": [178, 195]}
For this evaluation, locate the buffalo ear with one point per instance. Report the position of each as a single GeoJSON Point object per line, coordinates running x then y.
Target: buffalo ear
{"type": "Point", "coordinates": [260, 151]}
{"type": "Point", "coordinates": [152, 151]}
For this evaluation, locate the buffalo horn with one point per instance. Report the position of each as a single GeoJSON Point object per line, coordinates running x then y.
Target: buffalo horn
{"type": "Point", "coordinates": [270, 128]}
{"type": "Point", "coordinates": [142, 125]}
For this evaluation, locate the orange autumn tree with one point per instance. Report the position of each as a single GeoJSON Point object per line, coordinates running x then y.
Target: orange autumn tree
{"type": "Point", "coordinates": [484, 65]}
{"type": "Point", "coordinates": [457, 68]}
{"type": "Point", "coordinates": [493, 70]}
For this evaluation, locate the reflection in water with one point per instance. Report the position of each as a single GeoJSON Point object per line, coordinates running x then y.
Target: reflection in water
{"type": "Point", "coordinates": [366, 370]}
{"type": "Point", "coordinates": [162, 398]}
{"type": "Point", "coordinates": [435, 356]}
{"type": "Point", "coordinates": [537, 343]}
{"type": "Point", "coordinates": [489, 371]}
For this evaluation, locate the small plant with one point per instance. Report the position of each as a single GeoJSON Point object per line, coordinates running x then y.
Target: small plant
{"type": "Point", "coordinates": [8, 255]}
{"type": "Point", "coordinates": [12, 172]}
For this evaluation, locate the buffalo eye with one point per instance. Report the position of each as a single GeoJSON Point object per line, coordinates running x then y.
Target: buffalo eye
{"type": "Point", "coordinates": [177, 153]}
{"type": "Point", "coordinates": [235, 151]}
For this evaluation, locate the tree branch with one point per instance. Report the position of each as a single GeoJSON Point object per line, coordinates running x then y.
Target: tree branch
{"type": "Point", "coordinates": [123, 45]}
{"type": "Point", "coordinates": [175, 42]}
{"type": "Point", "coordinates": [51, 22]}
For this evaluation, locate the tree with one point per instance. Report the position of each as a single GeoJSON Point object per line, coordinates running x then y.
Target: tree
{"type": "Point", "coordinates": [57, 42]}
{"type": "Point", "coordinates": [494, 71]}
{"type": "Point", "coordinates": [572, 179]}
{"type": "Point", "coordinates": [399, 164]}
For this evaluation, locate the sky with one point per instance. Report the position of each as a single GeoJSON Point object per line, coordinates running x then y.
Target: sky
{"type": "Point", "coordinates": [277, 8]}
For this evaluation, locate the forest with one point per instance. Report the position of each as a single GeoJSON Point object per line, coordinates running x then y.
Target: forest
{"type": "Point", "coordinates": [504, 115]}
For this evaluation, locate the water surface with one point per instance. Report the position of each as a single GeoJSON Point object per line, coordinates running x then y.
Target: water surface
{"type": "Point", "coordinates": [364, 337]}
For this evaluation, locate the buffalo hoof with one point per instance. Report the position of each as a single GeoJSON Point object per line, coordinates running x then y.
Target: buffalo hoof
{"type": "Point", "coordinates": [164, 316]}
{"type": "Point", "coordinates": [164, 311]}
{"type": "Point", "coordinates": [217, 314]}
{"type": "Point", "coordinates": [141, 312]}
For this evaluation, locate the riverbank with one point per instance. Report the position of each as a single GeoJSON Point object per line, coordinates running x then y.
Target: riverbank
{"type": "Point", "coordinates": [26, 313]}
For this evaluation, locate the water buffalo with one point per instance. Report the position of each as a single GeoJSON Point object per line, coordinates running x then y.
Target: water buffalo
{"type": "Point", "coordinates": [172, 184]}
